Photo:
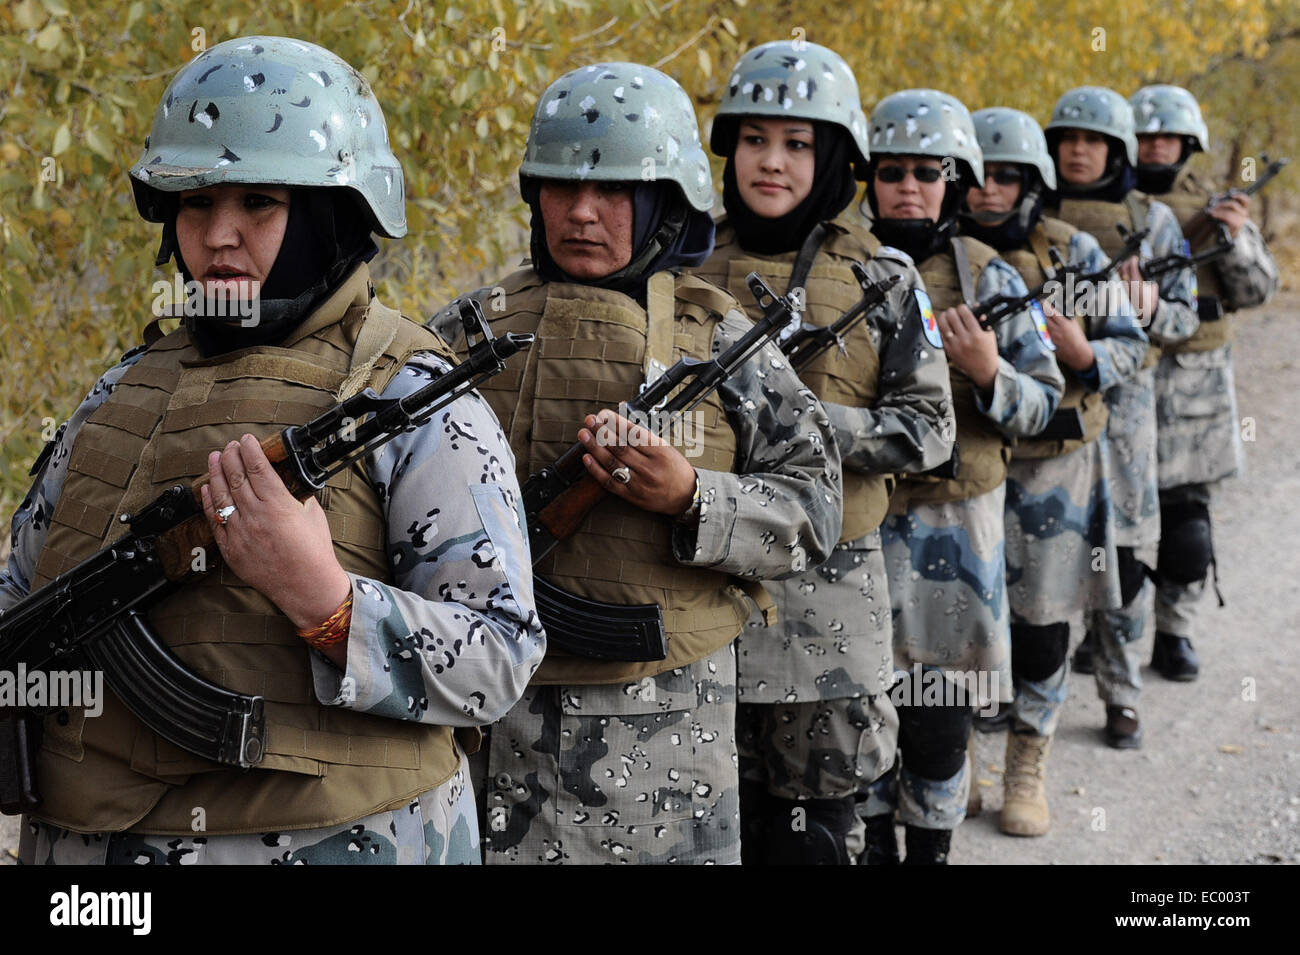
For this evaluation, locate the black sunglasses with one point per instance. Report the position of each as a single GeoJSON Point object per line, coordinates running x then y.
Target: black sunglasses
{"type": "Point", "coordinates": [895, 174]}
{"type": "Point", "coordinates": [1005, 176]}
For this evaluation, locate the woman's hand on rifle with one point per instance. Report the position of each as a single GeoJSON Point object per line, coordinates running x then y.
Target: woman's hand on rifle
{"type": "Point", "coordinates": [658, 477]}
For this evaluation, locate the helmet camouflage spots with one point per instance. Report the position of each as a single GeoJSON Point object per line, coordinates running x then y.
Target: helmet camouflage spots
{"type": "Point", "coordinates": [923, 122]}
{"type": "Point", "coordinates": [275, 111]}
{"type": "Point", "coordinates": [795, 79]}
{"type": "Point", "coordinates": [618, 122]}
{"type": "Point", "coordinates": [1172, 110]}
{"type": "Point", "coordinates": [1100, 110]}
{"type": "Point", "coordinates": [1008, 135]}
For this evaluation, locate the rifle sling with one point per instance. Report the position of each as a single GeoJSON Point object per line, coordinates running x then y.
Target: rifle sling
{"type": "Point", "coordinates": [803, 262]}
{"type": "Point", "coordinates": [962, 261]}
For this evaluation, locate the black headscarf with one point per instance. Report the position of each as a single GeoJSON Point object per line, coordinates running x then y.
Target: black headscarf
{"type": "Point", "coordinates": [667, 233]}
{"type": "Point", "coordinates": [326, 237]}
{"type": "Point", "coordinates": [1158, 178]}
{"type": "Point", "coordinates": [1008, 230]}
{"type": "Point", "coordinates": [1116, 182]}
{"type": "Point", "coordinates": [833, 187]}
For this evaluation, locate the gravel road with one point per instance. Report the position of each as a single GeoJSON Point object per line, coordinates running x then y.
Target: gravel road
{"type": "Point", "coordinates": [1218, 777]}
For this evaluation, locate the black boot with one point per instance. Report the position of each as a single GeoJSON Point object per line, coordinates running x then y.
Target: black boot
{"type": "Point", "coordinates": [1174, 659]}
{"type": "Point", "coordinates": [753, 823]}
{"type": "Point", "coordinates": [882, 841]}
{"type": "Point", "coordinates": [808, 831]}
{"type": "Point", "coordinates": [927, 846]}
{"type": "Point", "coordinates": [1083, 654]}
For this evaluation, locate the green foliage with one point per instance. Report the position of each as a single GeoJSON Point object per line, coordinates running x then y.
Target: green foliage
{"type": "Point", "coordinates": [458, 83]}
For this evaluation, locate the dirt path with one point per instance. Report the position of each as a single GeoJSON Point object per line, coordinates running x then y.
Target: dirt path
{"type": "Point", "coordinates": [1218, 777]}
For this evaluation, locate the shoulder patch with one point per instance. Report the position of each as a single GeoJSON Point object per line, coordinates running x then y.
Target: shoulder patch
{"type": "Point", "coordinates": [898, 255]}
{"type": "Point", "coordinates": [1040, 324]}
{"type": "Point", "coordinates": [929, 327]}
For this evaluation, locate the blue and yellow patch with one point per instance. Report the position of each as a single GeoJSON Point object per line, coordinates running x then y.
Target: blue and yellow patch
{"type": "Point", "coordinates": [1040, 324]}
{"type": "Point", "coordinates": [929, 327]}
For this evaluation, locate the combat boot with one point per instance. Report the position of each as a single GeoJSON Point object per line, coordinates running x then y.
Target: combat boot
{"type": "Point", "coordinates": [881, 841]}
{"type": "Point", "coordinates": [1024, 805]}
{"type": "Point", "coordinates": [927, 846]}
{"type": "Point", "coordinates": [1084, 653]}
{"type": "Point", "coordinates": [1174, 659]}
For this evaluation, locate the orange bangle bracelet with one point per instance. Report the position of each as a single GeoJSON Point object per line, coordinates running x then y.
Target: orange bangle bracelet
{"type": "Point", "coordinates": [334, 630]}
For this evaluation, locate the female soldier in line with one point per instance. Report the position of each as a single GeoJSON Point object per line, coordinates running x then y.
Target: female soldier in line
{"type": "Point", "coordinates": [420, 634]}
{"type": "Point", "coordinates": [814, 720]}
{"type": "Point", "coordinates": [1060, 534]}
{"type": "Point", "coordinates": [944, 536]}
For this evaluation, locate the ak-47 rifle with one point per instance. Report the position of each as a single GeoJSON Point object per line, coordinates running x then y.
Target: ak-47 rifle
{"type": "Point", "coordinates": [1001, 307]}
{"type": "Point", "coordinates": [1153, 270]}
{"type": "Point", "coordinates": [811, 340]}
{"type": "Point", "coordinates": [1202, 223]}
{"type": "Point", "coordinates": [558, 498]}
{"type": "Point", "coordinates": [93, 615]}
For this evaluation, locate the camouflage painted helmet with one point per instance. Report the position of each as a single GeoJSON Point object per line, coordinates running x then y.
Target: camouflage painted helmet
{"type": "Point", "coordinates": [1172, 110]}
{"type": "Point", "coordinates": [795, 79]}
{"type": "Point", "coordinates": [611, 122]}
{"type": "Point", "coordinates": [923, 122]}
{"type": "Point", "coordinates": [275, 111]}
{"type": "Point", "coordinates": [1100, 110]}
{"type": "Point", "coordinates": [1008, 135]}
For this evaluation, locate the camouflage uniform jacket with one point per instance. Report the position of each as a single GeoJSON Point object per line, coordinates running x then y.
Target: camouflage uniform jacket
{"type": "Point", "coordinates": [459, 555]}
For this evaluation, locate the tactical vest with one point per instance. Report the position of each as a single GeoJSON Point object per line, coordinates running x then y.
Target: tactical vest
{"type": "Point", "coordinates": [1188, 198]}
{"type": "Point", "coordinates": [591, 354]}
{"type": "Point", "coordinates": [848, 377]}
{"type": "Point", "coordinates": [323, 765]}
{"type": "Point", "coordinates": [1032, 261]}
{"type": "Point", "coordinates": [1099, 218]}
{"type": "Point", "coordinates": [984, 453]}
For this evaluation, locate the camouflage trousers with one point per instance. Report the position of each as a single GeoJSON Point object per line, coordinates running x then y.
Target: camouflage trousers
{"type": "Point", "coordinates": [947, 585]}
{"type": "Point", "coordinates": [824, 749]}
{"type": "Point", "coordinates": [640, 772]}
{"type": "Point", "coordinates": [1060, 535]}
{"type": "Point", "coordinates": [436, 828]}
{"type": "Point", "coordinates": [1199, 437]}
{"type": "Point", "coordinates": [924, 803]}
{"type": "Point", "coordinates": [1131, 433]}
{"type": "Point", "coordinates": [1117, 661]}
{"type": "Point", "coordinates": [1038, 703]}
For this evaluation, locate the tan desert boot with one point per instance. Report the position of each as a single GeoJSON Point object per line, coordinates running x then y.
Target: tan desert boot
{"type": "Point", "coordinates": [1024, 805]}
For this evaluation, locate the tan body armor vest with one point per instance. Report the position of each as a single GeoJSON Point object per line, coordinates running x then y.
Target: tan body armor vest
{"type": "Point", "coordinates": [846, 378]}
{"type": "Point", "coordinates": [591, 354]}
{"type": "Point", "coordinates": [323, 765]}
{"type": "Point", "coordinates": [1188, 198]}
{"type": "Point", "coordinates": [1032, 261]}
{"type": "Point", "coordinates": [984, 453]}
{"type": "Point", "coordinates": [1099, 218]}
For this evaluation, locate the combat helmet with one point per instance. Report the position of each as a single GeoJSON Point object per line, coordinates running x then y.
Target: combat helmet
{"type": "Point", "coordinates": [1008, 135]}
{"type": "Point", "coordinates": [1171, 110]}
{"type": "Point", "coordinates": [797, 80]}
{"type": "Point", "coordinates": [276, 111]}
{"type": "Point", "coordinates": [1100, 110]}
{"type": "Point", "coordinates": [618, 122]}
{"type": "Point", "coordinates": [924, 122]}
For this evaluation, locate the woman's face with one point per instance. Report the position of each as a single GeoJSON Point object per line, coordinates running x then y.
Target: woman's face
{"type": "Point", "coordinates": [588, 226]}
{"type": "Point", "coordinates": [1001, 188]}
{"type": "Point", "coordinates": [230, 236]}
{"type": "Point", "coordinates": [1081, 156]}
{"type": "Point", "coordinates": [774, 162]}
{"type": "Point", "coordinates": [909, 197]}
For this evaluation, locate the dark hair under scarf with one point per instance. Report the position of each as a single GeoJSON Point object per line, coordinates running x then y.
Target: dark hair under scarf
{"type": "Point", "coordinates": [833, 187]}
{"type": "Point", "coordinates": [667, 233]}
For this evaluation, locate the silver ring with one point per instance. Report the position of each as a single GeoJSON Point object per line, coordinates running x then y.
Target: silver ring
{"type": "Point", "coordinates": [622, 475]}
{"type": "Point", "coordinates": [223, 514]}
